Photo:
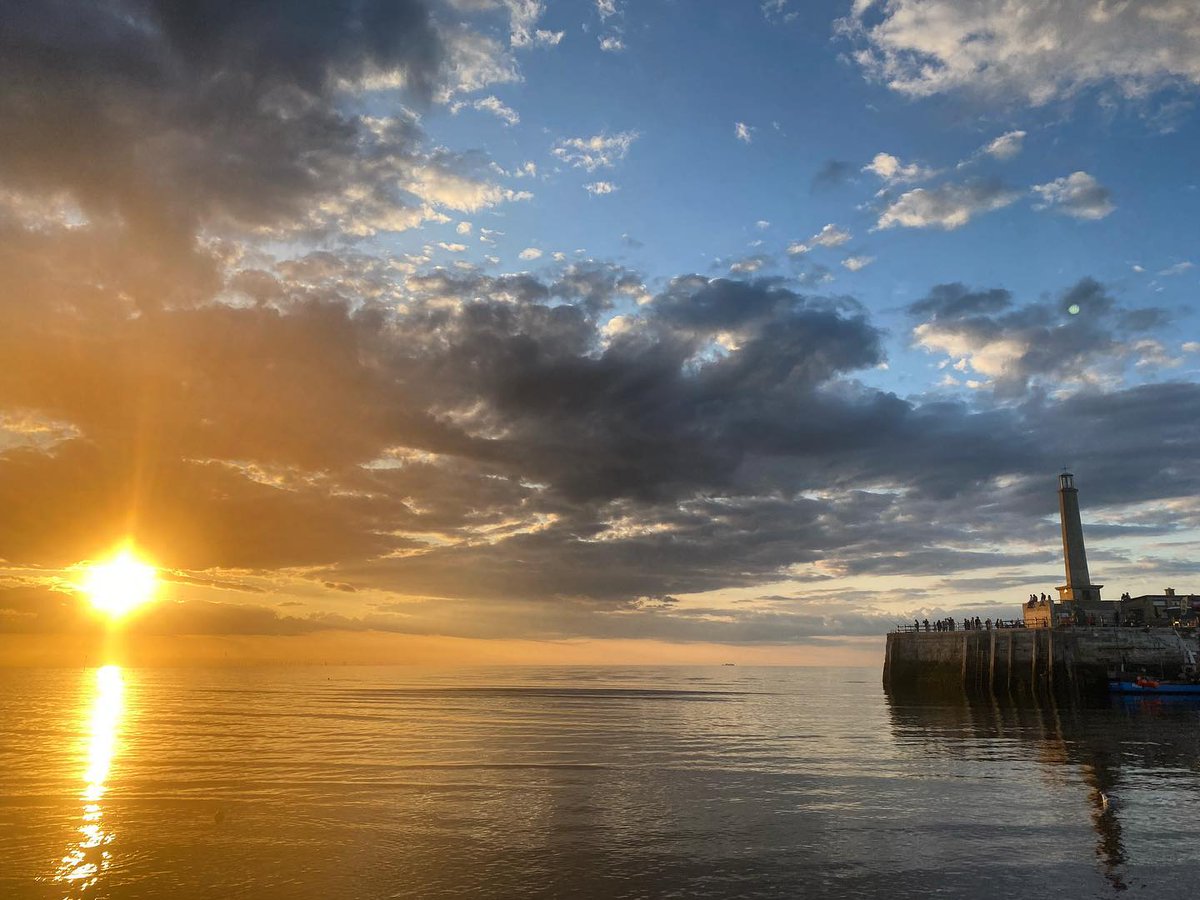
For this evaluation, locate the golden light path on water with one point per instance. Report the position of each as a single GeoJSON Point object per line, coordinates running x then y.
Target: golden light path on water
{"type": "Point", "coordinates": [89, 858]}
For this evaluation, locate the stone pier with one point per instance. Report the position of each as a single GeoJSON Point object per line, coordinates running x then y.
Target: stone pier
{"type": "Point", "coordinates": [1065, 661]}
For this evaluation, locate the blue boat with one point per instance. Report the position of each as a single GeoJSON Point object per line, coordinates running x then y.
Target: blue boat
{"type": "Point", "coordinates": [1144, 685]}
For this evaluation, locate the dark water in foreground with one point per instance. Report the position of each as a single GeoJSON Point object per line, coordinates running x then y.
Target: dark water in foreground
{"type": "Point", "coordinates": [714, 782]}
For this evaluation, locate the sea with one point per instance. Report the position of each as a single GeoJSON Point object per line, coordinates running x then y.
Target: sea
{"type": "Point", "coordinates": [721, 782]}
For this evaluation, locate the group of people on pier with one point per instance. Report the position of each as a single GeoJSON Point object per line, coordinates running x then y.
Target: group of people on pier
{"type": "Point", "coordinates": [967, 624]}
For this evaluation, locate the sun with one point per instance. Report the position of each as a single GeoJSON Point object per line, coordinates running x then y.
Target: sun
{"type": "Point", "coordinates": [119, 585]}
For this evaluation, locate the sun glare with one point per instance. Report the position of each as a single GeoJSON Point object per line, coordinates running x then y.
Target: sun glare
{"type": "Point", "coordinates": [119, 585]}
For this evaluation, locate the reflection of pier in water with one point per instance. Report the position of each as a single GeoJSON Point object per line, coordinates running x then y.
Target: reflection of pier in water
{"type": "Point", "coordinates": [1098, 742]}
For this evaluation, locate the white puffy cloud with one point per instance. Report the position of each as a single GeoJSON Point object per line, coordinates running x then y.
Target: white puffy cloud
{"type": "Point", "coordinates": [440, 185]}
{"type": "Point", "coordinates": [1078, 195]}
{"type": "Point", "coordinates": [473, 61]}
{"type": "Point", "coordinates": [452, 248]}
{"type": "Point", "coordinates": [493, 105]}
{"type": "Point", "coordinates": [1035, 51]}
{"type": "Point", "coordinates": [829, 236]}
{"type": "Point", "coordinates": [611, 43]}
{"type": "Point", "coordinates": [1004, 147]}
{"type": "Point", "coordinates": [489, 104]}
{"type": "Point", "coordinates": [748, 265]}
{"type": "Point", "coordinates": [854, 263]}
{"type": "Point", "coordinates": [743, 132]}
{"type": "Point", "coordinates": [463, 228]}
{"type": "Point", "coordinates": [606, 8]}
{"type": "Point", "coordinates": [596, 188]}
{"type": "Point", "coordinates": [946, 206]}
{"type": "Point", "coordinates": [523, 16]}
{"type": "Point", "coordinates": [601, 151]}
{"type": "Point", "coordinates": [891, 170]}
{"type": "Point", "coordinates": [530, 253]}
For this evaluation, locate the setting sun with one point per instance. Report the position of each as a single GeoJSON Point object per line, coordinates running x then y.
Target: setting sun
{"type": "Point", "coordinates": [119, 585]}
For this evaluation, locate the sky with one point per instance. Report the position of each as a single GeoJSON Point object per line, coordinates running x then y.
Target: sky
{"type": "Point", "coordinates": [452, 331]}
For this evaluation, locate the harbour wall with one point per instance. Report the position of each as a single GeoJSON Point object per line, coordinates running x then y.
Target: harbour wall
{"type": "Point", "coordinates": [1064, 661]}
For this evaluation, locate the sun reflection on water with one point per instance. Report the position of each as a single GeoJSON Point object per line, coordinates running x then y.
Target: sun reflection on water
{"type": "Point", "coordinates": [89, 858]}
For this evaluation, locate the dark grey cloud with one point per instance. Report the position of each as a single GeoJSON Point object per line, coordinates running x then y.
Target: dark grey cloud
{"type": "Point", "coordinates": [161, 112]}
{"type": "Point", "coordinates": [833, 172]}
{"type": "Point", "coordinates": [497, 446]}
{"type": "Point", "coordinates": [176, 130]}
{"type": "Point", "coordinates": [954, 301]}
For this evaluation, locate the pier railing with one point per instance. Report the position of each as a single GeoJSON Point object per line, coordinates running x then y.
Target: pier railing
{"type": "Point", "coordinates": [944, 626]}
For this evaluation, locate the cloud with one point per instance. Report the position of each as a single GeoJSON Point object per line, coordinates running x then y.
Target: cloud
{"type": "Point", "coordinates": [601, 151]}
{"type": "Point", "coordinates": [523, 17]}
{"type": "Point", "coordinates": [892, 171]}
{"type": "Point", "coordinates": [606, 8]}
{"type": "Point", "coordinates": [204, 350]}
{"type": "Point", "coordinates": [491, 105]}
{"type": "Point", "coordinates": [956, 301]}
{"type": "Point", "coordinates": [833, 172]}
{"type": "Point", "coordinates": [493, 443]}
{"type": "Point", "coordinates": [749, 264]}
{"type": "Point", "coordinates": [611, 43]}
{"type": "Point", "coordinates": [777, 11]}
{"type": "Point", "coordinates": [855, 263]}
{"type": "Point", "coordinates": [743, 132]}
{"type": "Point", "coordinates": [1082, 339]}
{"type": "Point", "coordinates": [473, 61]}
{"type": "Point", "coordinates": [829, 236]}
{"type": "Point", "coordinates": [1178, 268]}
{"type": "Point", "coordinates": [947, 206]}
{"type": "Point", "coordinates": [1078, 195]}
{"type": "Point", "coordinates": [1005, 147]}
{"type": "Point", "coordinates": [596, 188]}
{"type": "Point", "coordinates": [530, 253]}
{"type": "Point", "coordinates": [187, 126]}
{"type": "Point", "coordinates": [814, 276]}
{"type": "Point", "coordinates": [1036, 53]}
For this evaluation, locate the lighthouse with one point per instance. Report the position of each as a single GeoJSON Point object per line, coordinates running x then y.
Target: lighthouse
{"type": "Point", "coordinates": [1079, 588]}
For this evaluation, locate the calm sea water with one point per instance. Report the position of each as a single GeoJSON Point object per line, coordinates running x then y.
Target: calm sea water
{"type": "Point", "coordinates": [606, 783]}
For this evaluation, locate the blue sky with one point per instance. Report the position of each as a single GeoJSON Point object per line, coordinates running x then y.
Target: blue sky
{"type": "Point", "coordinates": [691, 193]}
